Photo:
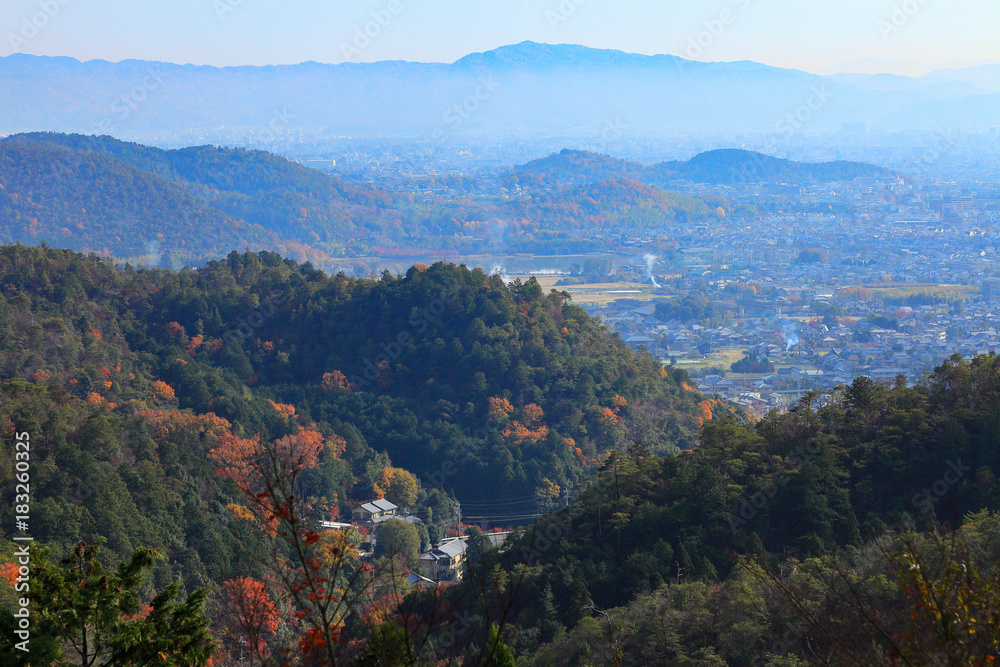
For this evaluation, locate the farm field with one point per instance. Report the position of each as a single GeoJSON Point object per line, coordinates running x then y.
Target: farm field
{"type": "Point", "coordinates": [600, 294]}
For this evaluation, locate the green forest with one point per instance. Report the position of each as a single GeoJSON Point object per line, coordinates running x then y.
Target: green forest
{"type": "Point", "coordinates": [189, 430]}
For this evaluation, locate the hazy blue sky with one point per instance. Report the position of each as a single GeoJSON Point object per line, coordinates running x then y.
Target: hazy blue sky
{"type": "Point", "coordinates": [799, 34]}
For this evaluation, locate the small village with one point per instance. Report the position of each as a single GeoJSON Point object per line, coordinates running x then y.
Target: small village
{"type": "Point", "coordinates": [442, 563]}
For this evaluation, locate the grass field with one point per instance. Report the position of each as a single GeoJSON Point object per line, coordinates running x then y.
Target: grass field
{"type": "Point", "coordinates": [599, 294]}
{"type": "Point", "coordinates": [720, 359]}
{"type": "Point", "coordinates": [904, 290]}
{"type": "Point", "coordinates": [724, 358]}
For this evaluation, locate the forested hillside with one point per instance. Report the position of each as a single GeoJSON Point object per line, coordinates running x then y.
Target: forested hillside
{"type": "Point", "coordinates": [437, 386]}
{"type": "Point", "coordinates": [522, 391]}
{"type": "Point", "coordinates": [95, 203]}
{"type": "Point", "coordinates": [750, 543]}
{"type": "Point", "coordinates": [89, 193]}
{"type": "Point", "coordinates": [216, 415]}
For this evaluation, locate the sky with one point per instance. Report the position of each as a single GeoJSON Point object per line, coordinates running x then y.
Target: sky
{"type": "Point", "coordinates": [898, 36]}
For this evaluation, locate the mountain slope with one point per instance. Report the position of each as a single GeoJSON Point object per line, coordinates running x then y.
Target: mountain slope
{"type": "Point", "coordinates": [94, 203]}
{"type": "Point", "coordinates": [572, 167]}
{"type": "Point", "coordinates": [518, 390]}
{"type": "Point", "coordinates": [200, 202]}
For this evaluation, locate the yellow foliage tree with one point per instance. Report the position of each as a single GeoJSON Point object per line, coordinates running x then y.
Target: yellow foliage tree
{"type": "Point", "coordinates": [400, 486]}
{"type": "Point", "coordinates": [499, 408]}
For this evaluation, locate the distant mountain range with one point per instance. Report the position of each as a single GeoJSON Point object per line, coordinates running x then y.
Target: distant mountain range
{"type": "Point", "coordinates": [524, 89]}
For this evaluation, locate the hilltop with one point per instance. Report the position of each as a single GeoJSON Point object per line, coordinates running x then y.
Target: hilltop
{"type": "Point", "coordinates": [731, 166]}
{"type": "Point", "coordinates": [723, 166]}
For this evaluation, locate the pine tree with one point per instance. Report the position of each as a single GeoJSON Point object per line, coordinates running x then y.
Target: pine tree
{"type": "Point", "coordinates": [548, 616]}
{"type": "Point", "coordinates": [579, 599]}
{"type": "Point", "coordinates": [706, 571]}
{"type": "Point", "coordinates": [686, 565]}
{"type": "Point", "coordinates": [497, 653]}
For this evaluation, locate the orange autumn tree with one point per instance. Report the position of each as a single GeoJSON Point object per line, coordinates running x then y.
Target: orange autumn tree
{"type": "Point", "coordinates": [8, 571]}
{"type": "Point", "coordinates": [335, 380]}
{"type": "Point", "coordinates": [613, 415]}
{"type": "Point", "coordinates": [162, 391]}
{"type": "Point", "coordinates": [283, 408]}
{"type": "Point", "coordinates": [324, 583]}
{"type": "Point", "coordinates": [184, 428]}
{"type": "Point", "coordinates": [529, 429]}
{"type": "Point", "coordinates": [194, 344]}
{"type": "Point", "coordinates": [249, 615]}
{"type": "Point", "coordinates": [499, 409]}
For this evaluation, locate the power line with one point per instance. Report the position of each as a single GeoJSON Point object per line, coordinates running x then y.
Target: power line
{"type": "Point", "coordinates": [501, 517]}
{"type": "Point", "coordinates": [477, 503]}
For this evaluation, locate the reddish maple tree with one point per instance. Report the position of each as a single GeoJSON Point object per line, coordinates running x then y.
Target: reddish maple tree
{"type": "Point", "coordinates": [251, 617]}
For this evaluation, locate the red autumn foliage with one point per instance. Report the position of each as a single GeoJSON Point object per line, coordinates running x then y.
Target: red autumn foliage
{"type": "Point", "coordinates": [175, 331]}
{"type": "Point", "coordinates": [249, 612]}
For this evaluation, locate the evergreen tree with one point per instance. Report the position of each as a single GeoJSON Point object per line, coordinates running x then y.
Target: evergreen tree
{"type": "Point", "coordinates": [579, 603]}
{"type": "Point", "coordinates": [496, 651]}
{"type": "Point", "coordinates": [548, 616]}
{"type": "Point", "coordinates": [87, 616]}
